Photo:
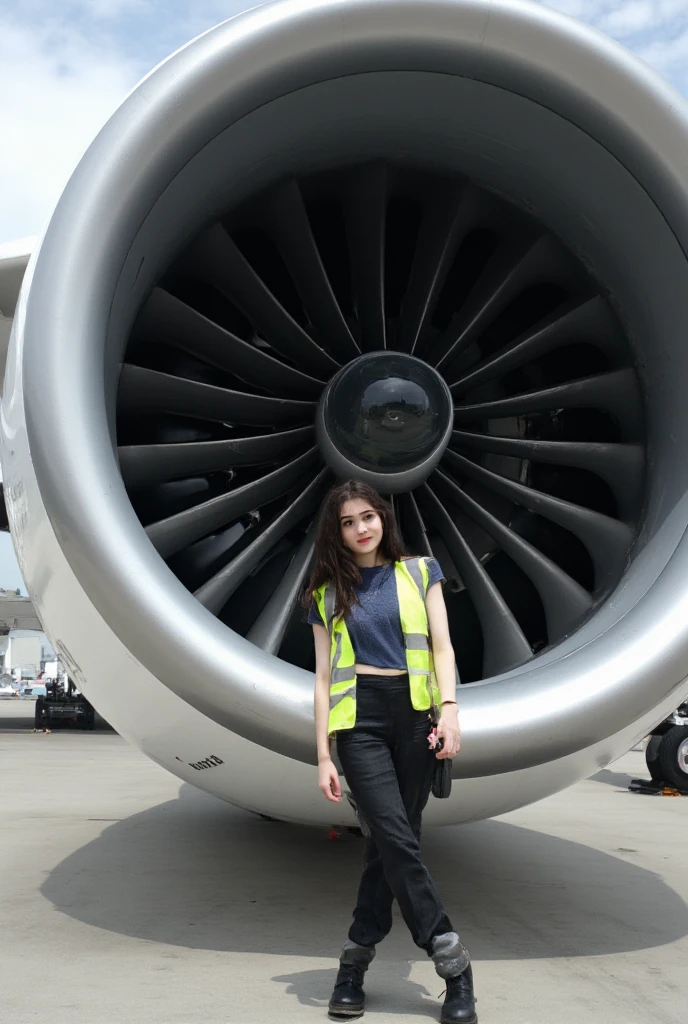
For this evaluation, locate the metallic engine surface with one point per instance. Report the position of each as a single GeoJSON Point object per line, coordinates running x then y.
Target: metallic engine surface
{"type": "Point", "coordinates": [536, 108]}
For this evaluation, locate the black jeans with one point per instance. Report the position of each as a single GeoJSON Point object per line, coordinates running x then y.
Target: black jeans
{"type": "Point", "coordinates": [388, 768]}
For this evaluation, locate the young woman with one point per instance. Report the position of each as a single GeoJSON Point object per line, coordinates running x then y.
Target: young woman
{"type": "Point", "coordinates": [380, 627]}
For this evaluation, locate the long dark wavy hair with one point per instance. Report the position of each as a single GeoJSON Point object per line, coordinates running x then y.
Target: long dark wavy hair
{"type": "Point", "coordinates": [333, 561]}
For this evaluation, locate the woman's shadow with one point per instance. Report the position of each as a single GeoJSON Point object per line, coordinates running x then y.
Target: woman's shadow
{"type": "Point", "coordinates": [392, 991]}
{"type": "Point", "coordinates": [200, 874]}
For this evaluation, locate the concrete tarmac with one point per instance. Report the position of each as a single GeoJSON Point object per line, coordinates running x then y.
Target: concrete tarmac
{"type": "Point", "coordinates": [127, 897]}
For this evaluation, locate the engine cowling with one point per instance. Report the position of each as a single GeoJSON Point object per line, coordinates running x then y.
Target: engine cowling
{"type": "Point", "coordinates": [438, 245]}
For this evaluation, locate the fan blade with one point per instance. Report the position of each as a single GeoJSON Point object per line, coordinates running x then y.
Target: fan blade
{"type": "Point", "coordinates": [564, 601]}
{"type": "Point", "coordinates": [514, 267]}
{"type": "Point", "coordinates": [216, 592]}
{"type": "Point", "coordinates": [575, 322]}
{"type": "Point", "coordinates": [143, 391]}
{"type": "Point", "coordinates": [449, 217]}
{"type": "Point", "coordinates": [150, 463]}
{"type": "Point", "coordinates": [217, 259]}
{"type": "Point", "coordinates": [621, 466]}
{"type": "Point", "coordinates": [176, 532]}
{"type": "Point", "coordinates": [414, 528]}
{"type": "Point", "coordinates": [267, 632]}
{"type": "Point", "coordinates": [607, 540]}
{"type": "Point", "coordinates": [366, 215]}
{"type": "Point", "coordinates": [617, 392]}
{"type": "Point", "coordinates": [291, 229]}
{"type": "Point", "coordinates": [167, 320]}
{"type": "Point", "coordinates": [505, 646]}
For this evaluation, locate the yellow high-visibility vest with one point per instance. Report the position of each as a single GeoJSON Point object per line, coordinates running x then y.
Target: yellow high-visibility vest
{"type": "Point", "coordinates": [412, 584]}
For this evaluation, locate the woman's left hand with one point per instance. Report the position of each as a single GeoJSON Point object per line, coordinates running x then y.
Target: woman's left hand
{"type": "Point", "coordinates": [448, 730]}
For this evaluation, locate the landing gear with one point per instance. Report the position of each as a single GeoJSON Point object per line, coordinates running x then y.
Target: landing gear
{"type": "Point", "coordinates": [666, 754]}
{"type": "Point", "coordinates": [673, 757]}
{"type": "Point", "coordinates": [652, 757]}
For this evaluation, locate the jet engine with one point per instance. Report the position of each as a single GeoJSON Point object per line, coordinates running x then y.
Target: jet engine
{"type": "Point", "coordinates": [438, 245]}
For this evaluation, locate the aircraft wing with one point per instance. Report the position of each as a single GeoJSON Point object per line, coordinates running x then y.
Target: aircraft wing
{"type": "Point", "coordinates": [17, 613]}
{"type": "Point", "coordinates": [14, 257]}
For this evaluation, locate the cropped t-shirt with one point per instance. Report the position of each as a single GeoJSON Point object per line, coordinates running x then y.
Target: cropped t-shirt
{"type": "Point", "coordinates": [374, 623]}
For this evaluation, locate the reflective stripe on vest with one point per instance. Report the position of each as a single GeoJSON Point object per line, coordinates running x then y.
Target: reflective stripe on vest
{"type": "Point", "coordinates": [411, 577]}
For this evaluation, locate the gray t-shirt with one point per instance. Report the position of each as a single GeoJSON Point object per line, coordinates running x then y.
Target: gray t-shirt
{"type": "Point", "coordinates": [375, 624]}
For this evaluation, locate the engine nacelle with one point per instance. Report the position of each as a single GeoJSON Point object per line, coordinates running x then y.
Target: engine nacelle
{"type": "Point", "coordinates": [440, 245]}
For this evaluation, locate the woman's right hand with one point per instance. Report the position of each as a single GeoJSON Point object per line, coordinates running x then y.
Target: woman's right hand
{"type": "Point", "coordinates": [328, 781]}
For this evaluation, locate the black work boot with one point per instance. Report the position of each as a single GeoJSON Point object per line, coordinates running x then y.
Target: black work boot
{"type": "Point", "coordinates": [452, 963]}
{"type": "Point", "coordinates": [348, 998]}
{"type": "Point", "coordinates": [459, 1002]}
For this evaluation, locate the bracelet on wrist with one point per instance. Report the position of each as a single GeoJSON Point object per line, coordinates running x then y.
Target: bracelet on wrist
{"type": "Point", "coordinates": [448, 702]}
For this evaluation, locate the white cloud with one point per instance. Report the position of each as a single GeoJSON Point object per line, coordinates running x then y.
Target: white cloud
{"type": "Point", "coordinates": [58, 90]}
{"type": "Point", "coordinates": [644, 13]}
{"type": "Point", "coordinates": [667, 54]}
{"type": "Point", "coordinates": [64, 70]}
{"type": "Point", "coordinates": [654, 29]}
{"type": "Point", "coordinates": [66, 67]}
{"type": "Point", "coordinates": [627, 18]}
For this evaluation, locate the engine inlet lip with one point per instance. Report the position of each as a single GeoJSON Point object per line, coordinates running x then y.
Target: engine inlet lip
{"type": "Point", "coordinates": [76, 275]}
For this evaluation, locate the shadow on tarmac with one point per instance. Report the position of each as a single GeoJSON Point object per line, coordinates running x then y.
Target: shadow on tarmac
{"type": "Point", "coordinates": [393, 993]}
{"type": "Point", "coordinates": [621, 780]}
{"type": "Point", "coordinates": [197, 873]}
{"type": "Point", "coordinates": [16, 719]}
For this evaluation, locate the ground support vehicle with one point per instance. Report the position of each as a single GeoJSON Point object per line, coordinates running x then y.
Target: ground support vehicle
{"type": "Point", "coordinates": [63, 708]}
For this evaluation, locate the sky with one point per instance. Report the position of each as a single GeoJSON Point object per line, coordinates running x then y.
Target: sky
{"type": "Point", "coordinates": [67, 64]}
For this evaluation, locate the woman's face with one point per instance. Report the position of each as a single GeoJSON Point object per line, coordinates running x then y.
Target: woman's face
{"type": "Point", "coordinates": [361, 527]}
